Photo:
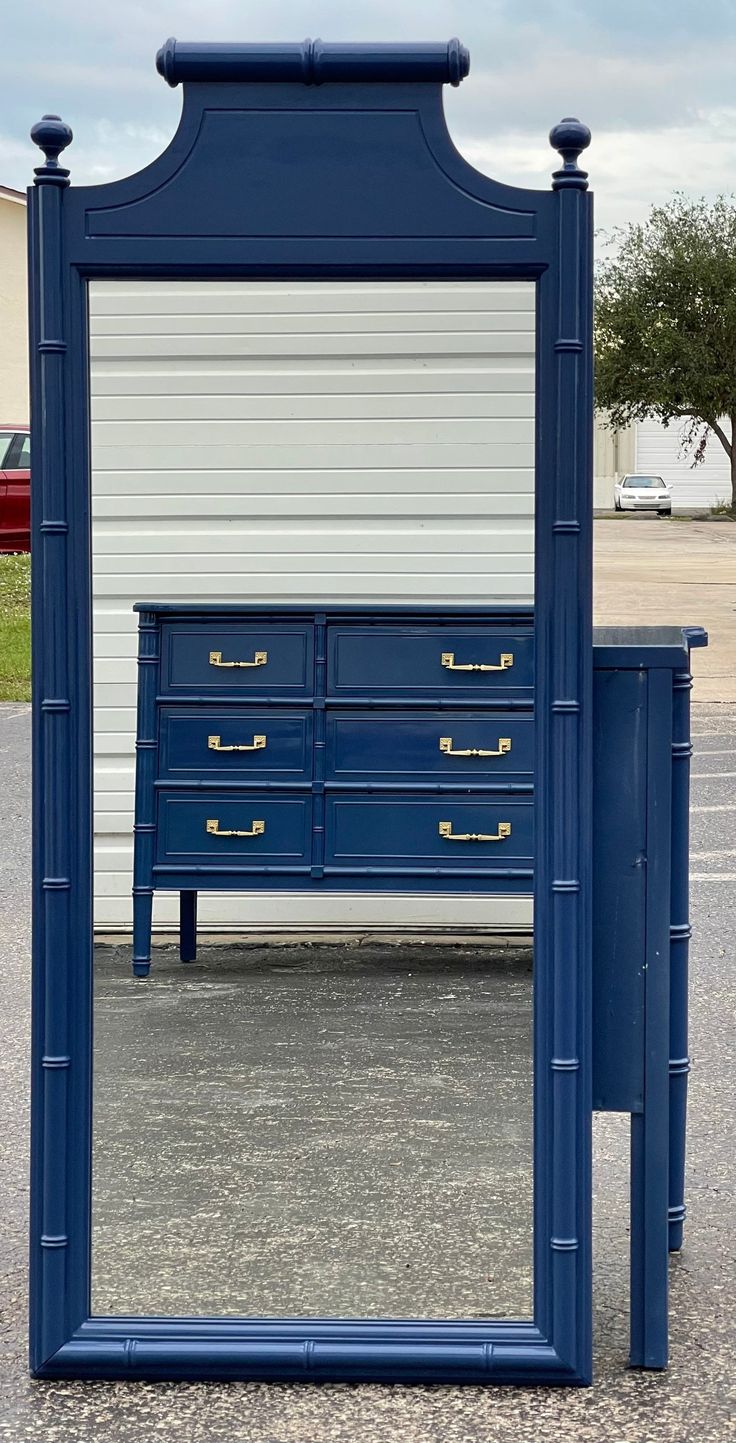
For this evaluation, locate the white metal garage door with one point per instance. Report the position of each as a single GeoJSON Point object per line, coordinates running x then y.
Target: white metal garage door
{"type": "Point", "coordinates": [658, 454]}
{"type": "Point", "coordinates": [352, 441]}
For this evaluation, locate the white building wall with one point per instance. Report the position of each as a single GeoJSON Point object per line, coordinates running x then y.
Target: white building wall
{"type": "Point", "coordinates": [301, 441]}
{"type": "Point", "coordinates": [613, 456]}
{"type": "Point", "coordinates": [658, 452]}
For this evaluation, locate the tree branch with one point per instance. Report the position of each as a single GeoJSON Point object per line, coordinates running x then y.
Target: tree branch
{"type": "Point", "coordinates": [722, 437]}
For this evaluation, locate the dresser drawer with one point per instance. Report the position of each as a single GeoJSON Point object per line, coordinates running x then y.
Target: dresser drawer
{"type": "Point", "coordinates": [235, 741]}
{"type": "Point", "coordinates": [237, 658]}
{"type": "Point", "coordinates": [227, 828]}
{"type": "Point", "coordinates": [452, 745]}
{"type": "Point", "coordinates": [462, 834]}
{"type": "Point", "coordinates": [413, 661]}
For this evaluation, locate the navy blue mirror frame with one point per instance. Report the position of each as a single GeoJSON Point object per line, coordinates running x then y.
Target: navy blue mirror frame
{"type": "Point", "coordinates": [381, 193]}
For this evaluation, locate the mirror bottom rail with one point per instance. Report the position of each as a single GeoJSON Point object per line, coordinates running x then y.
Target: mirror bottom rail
{"type": "Point", "coordinates": [319, 1351]}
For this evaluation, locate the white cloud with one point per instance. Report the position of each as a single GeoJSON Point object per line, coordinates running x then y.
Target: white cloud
{"type": "Point", "coordinates": [628, 172]}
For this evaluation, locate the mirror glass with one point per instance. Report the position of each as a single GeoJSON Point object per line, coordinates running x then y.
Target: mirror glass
{"type": "Point", "coordinates": [328, 1110]}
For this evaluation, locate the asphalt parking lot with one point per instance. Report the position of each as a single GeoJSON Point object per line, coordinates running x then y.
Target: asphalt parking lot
{"type": "Point", "coordinates": [695, 1399]}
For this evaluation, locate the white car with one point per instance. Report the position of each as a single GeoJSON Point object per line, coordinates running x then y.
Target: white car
{"type": "Point", "coordinates": [643, 493]}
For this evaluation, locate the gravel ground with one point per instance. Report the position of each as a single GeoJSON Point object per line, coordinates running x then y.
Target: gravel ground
{"type": "Point", "coordinates": [694, 1400]}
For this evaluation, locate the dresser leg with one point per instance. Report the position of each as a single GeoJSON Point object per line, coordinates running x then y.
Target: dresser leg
{"type": "Point", "coordinates": [188, 926]}
{"type": "Point", "coordinates": [142, 916]}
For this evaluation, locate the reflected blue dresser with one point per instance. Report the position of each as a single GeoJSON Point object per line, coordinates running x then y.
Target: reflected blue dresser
{"type": "Point", "coordinates": [388, 749]}
{"type": "Point", "coordinates": [392, 750]}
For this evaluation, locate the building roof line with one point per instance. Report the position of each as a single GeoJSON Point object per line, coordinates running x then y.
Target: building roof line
{"type": "Point", "coordinates": [8, 193]}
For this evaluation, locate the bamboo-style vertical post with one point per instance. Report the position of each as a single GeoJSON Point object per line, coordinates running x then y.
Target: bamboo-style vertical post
{"type": "Point", "coordinates": [146, 753]}
{"type": "Point", "coordinates": [53, 725]}
{"type": "Point", "coordinates": [679, 950]}
{"type": "Point", "coordinates": [564, 635]}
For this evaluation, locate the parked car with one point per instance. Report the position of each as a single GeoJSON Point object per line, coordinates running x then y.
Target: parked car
{"type": "Point", "coordinates": [643, 493]}
{"type": "Point", "coordinates": [15, 488]}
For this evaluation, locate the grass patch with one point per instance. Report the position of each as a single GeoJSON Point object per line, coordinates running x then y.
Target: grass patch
{"type": "Point", "coordinates": [15, 628]}
{"type": "Point", "coordinates": [724, 508]}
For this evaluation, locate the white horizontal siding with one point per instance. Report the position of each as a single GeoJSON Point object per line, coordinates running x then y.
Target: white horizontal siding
{"type": "Point", "coordinates": [658, 453]}
{"type": "Point", "coordinates": [438, 376]}
{"type": "Point", "coordinates": [321, 299]}
{"type": "Point", "coordinates": [306, 441]}
{"type": "Point", "coordinates": [350, 407]}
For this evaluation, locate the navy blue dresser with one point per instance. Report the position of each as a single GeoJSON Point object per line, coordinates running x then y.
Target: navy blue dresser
{"type": "Point", "coordinates": [388, 749]}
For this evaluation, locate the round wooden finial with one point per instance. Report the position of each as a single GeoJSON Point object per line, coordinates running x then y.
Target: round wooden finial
{"type": "Point", "coordinates": [570, 137]}
{"type": "Point", "coordinates": [52, 135]}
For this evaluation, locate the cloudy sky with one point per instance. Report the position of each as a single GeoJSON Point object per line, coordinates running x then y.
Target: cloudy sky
{"type": "Point", "coordinates": [654, 79]}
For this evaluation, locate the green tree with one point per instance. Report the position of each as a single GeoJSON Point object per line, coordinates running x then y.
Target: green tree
{"type": "Point", "coordinates": [665, 322]}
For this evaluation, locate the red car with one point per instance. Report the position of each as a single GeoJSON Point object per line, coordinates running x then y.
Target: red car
{"type": "Point", "coordinates": [15, 488]}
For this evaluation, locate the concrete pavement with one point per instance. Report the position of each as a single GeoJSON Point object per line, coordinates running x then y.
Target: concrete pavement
{"type": "Point", "coordinates": [650, 572]}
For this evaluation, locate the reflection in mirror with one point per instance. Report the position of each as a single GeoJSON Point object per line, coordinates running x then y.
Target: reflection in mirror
{"type": "Point", "coordinates": [336, 1122]}
{"type": "Point", "coordinates": [299, 1130]}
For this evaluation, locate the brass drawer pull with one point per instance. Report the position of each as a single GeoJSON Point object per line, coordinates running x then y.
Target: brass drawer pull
{"type": "Point", "coordinates": [213, 827]}
{"type": "Point", "coordinates": [259, 659]}
{"type": "Point", "coordinates": [506, 660]}
{"type": "Point", "coordinates": [504, 831]}
{"type": "Point", "coordinates": [257, 745]}
{"type": "Point", "coordinates": [504, 746]}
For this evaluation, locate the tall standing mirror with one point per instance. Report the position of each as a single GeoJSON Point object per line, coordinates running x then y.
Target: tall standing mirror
{"type": "Point", "coordinates": [313, 559]}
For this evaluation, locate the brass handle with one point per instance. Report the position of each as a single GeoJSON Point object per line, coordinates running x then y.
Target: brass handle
{"type": "Point", "coordinates": [259, 659]}
{"type": "Point", "coordinates": [504, 746]}
{"type": "Point", "coordinates": [505, 661]}
{"type": "Point", "coordinates": [213, 827]}
{"type": "Point", "coordinates": [257, 745]}
{"type": "Point", "coordinates": [504, 831]}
